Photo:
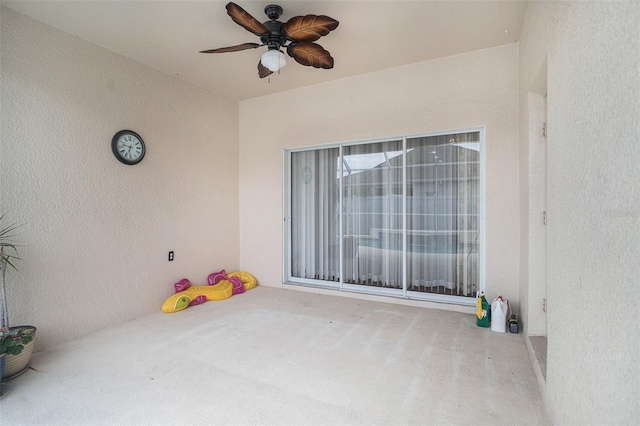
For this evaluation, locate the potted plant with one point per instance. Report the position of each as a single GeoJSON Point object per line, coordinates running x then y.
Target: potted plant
{"type": "Point", "coordinates": [16, 343]}
{"type": "Point", "coordinates": [13, 341]}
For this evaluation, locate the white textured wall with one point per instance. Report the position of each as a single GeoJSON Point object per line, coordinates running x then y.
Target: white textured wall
{"type": "Point", "coordinates": [479, 88]}
{"type": "Point", "coordinates": [97, 232]}
{"type": "Point", "coordinates": [593, 66]}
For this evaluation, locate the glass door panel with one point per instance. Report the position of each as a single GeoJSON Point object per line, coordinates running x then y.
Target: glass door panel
{"type": "Point", "coordinates": [372, 185]}
{"type": "Point", "coordinates": [315, 225]}
{"type": "Point", "coordinates": [442, 214]}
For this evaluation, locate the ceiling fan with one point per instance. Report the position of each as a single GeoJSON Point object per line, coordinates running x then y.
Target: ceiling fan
{"type": "Point", "coordinates": [296, 35]}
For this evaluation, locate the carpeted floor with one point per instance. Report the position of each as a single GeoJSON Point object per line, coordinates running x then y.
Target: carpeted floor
{"type": "Point", "coordinates": [278, 356]}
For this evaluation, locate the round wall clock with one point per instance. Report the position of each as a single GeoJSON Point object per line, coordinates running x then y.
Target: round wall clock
{"type": "Point", "coordinates": [128, 147]}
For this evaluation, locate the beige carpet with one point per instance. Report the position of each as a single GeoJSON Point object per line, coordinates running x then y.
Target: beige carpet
{"type": "Point", "coordinates": [279, 356]}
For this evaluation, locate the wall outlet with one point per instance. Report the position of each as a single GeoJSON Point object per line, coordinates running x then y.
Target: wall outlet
{"type": "Point", "coordinates": [170, 256]}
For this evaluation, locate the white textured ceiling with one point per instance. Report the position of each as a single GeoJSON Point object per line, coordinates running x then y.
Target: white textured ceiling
{"type": "Point", "coordinates": [372, 35]}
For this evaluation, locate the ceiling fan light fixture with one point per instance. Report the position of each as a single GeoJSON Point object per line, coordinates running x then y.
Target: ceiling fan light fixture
{"type": "Point", "coordinates": [273, 59]}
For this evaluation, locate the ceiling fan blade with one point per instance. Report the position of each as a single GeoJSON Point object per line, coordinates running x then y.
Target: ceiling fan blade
{"type": "Point", "coordinates": [310, 54]}
{"type": "Point", "coordinates": [245, 20]}
{"type": "Point", "coordinates": [309, 27]}
{"type": "Point", "coordinates": [237, 48]}
{"type": "Point", "coordinates": [263, 71]}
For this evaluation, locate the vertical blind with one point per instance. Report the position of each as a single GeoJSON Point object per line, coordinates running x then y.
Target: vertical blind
{"type": "Point", "coordinates": [315, 227]}
{"type": "Point", "coordinates": [406, 213]}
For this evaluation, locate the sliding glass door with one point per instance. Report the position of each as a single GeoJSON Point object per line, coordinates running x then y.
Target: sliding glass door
{"type": "Point", "coordinates": [399, 217]}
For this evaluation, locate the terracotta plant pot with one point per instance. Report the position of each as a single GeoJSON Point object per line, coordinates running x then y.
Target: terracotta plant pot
{"type": "Point", "coordinates": [17, 364]}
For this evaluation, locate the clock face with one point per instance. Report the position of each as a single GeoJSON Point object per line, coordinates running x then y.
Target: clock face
{"type": "Point", "coordinates": [128, 147]}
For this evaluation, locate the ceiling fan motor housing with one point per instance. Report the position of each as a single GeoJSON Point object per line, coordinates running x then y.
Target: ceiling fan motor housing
{"type": "Point", "coordinates": [275, 38]}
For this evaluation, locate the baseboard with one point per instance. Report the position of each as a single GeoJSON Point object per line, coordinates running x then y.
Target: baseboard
{"type": "Point", "coordinates": [538, 357]}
